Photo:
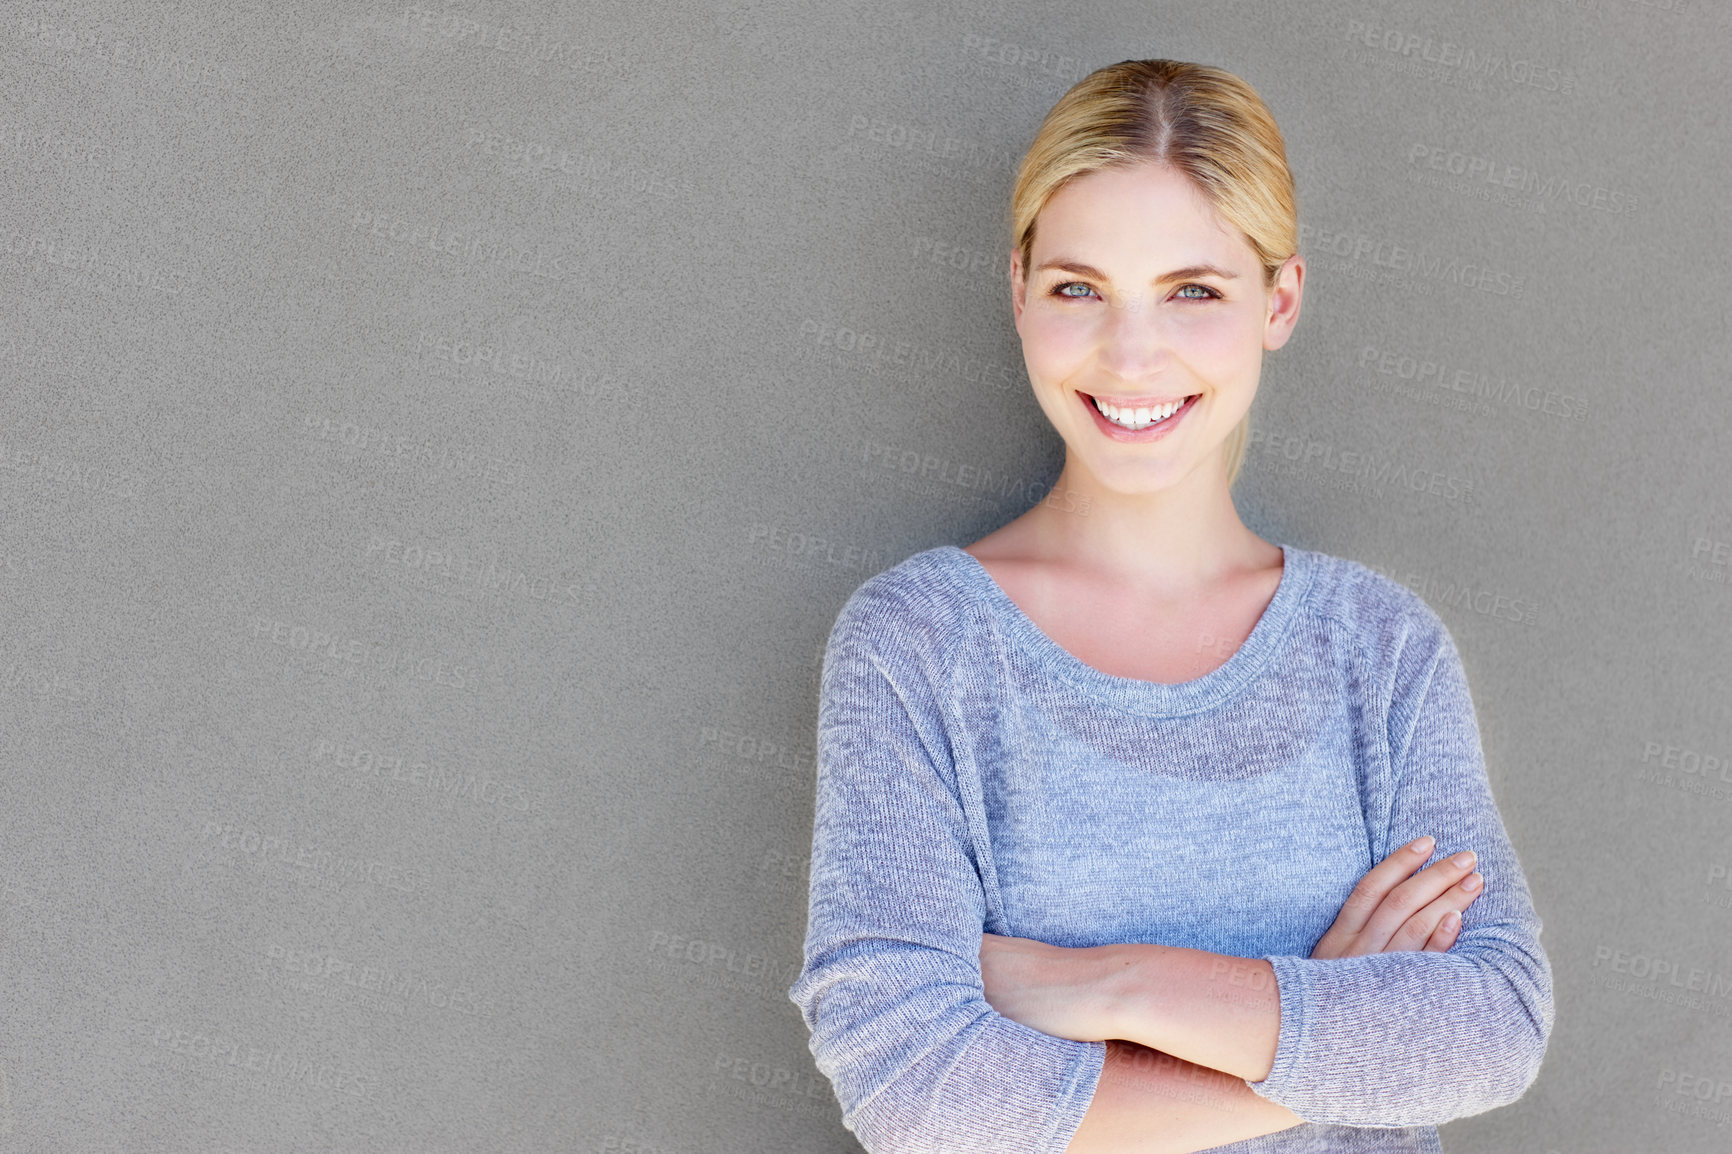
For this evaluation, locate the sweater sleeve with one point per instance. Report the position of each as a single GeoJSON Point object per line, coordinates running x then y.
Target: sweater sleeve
{"type": "Point", "coordinates": [891, 988]}
{"type": "Point", "coordinates": [1412, 1038]}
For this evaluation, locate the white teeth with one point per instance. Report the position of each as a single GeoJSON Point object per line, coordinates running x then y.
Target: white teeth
{"type": "Point", "coordinates": [1137, 418]}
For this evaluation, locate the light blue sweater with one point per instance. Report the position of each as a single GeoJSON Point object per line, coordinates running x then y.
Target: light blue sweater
{"type": "Point", "coordinates": [973, 775]}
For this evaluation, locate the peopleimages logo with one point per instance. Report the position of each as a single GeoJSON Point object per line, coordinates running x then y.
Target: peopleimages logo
{"type": "Point", "coordinates": [917, 361]}
{"type": "Point", "coordinates": [1520, 178]}
{"type": "Point", "coordinates": [1663, 972]}
{"type": "Point", "coordinates": [1441, 376]}
{"type": "Point", "coordinates": [1454, 60]}
{"type": "Point", "coordinates": [1356, 468]}
{"type": "Point", "coordinates": [1707, 551]}
{"type": "Point", "coordinates": [1041, 61]}
{"type": "Point", "coordinates": [1393, 257]}
{"type": "Point", "coordinates": [931, 143]}
{"type": "Point", "coordinates": [1692, 762]}
{"type": "Point", "coordinates": [912, 463]}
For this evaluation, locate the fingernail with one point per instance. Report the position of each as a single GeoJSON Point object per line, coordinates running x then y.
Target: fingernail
{"type": "Point", "coordinates": [1423, 845]}
{"type": "Point", "coordinates": [1463, 859]}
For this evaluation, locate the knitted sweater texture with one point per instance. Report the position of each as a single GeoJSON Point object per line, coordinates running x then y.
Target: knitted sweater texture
{"type": "Point", "coordinates": [973, 775]}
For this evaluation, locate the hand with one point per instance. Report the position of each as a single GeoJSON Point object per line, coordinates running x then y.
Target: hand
{"type": "Point", "coordinates": [1054, 989]}
{"type": "Point", "coordinates": [1384, 913]}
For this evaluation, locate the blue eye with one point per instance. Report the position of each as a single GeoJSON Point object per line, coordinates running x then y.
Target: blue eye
{"type": "Point", "coordinates": [1058, 290]}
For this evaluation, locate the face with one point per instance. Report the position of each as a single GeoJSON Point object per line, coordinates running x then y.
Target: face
{"type": "Point", "coordinates": [1140, 296]}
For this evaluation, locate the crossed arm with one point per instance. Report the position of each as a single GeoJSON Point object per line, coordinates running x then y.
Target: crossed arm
{"type": "Point", "coordinates": [1187, 1029]}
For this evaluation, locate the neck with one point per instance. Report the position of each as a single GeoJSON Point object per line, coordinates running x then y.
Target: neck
{"type": "Point", "coordinates": [1179, 542]}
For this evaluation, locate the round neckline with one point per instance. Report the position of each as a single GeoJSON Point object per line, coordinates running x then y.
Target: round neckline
{"type": "Point", "coordinates": [1132, 694]}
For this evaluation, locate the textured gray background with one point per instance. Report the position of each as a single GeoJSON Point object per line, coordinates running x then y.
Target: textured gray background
{"type": "Point", "coordinates": [438, 440]}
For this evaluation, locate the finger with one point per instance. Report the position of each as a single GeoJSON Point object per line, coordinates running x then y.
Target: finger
{"type": "Point", "coordinates": [1368, 895]}
{"type": "Point", "coordinates": [1413, 895]}
{"type": "Point", "coordinates": [1422, 928]}
{"type": "Point", "coordinates": [1443, 936]}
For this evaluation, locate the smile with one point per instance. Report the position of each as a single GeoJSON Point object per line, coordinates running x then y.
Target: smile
{"type": "Point", "coordinates": [1145, 420]}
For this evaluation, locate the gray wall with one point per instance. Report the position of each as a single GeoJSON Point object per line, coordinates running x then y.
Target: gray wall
{"type": "Point", "coordinates": [438, 440]}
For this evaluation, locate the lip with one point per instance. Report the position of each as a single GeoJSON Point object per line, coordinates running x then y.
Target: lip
{"type": "Point", "coordinates": [1153, 433]}
{"type": "Point", "coordinates": [1135, 402]}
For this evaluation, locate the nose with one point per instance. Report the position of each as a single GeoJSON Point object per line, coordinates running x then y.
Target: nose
{"type": "Point", "coordinates": [1133, 345]}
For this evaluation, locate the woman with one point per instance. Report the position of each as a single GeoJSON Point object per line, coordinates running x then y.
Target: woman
{"type": "Point", "coordinates": [1121, 813]}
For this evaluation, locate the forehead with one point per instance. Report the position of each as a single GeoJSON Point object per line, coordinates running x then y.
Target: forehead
{"type": "Point", "coordinates": [1134, 216]}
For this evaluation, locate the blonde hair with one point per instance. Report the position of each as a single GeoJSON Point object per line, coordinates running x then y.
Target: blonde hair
{"type": "Point", "coordinates": [1204, 122]}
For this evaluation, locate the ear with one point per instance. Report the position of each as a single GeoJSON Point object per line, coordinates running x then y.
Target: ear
{"type": "Point", "coordinates": [1284, 300]}
{"type": "Point", "coordinates": [1018, 287]}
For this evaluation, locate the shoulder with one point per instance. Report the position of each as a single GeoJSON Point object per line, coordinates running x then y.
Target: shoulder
{"type": "Point", "coordinates": [916, 607]}
{"type": "Point", "coordinates": [1390, 624]}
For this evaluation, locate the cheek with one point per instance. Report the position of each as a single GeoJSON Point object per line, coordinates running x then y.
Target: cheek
{"type": "Point", "coordinates": [1050, 337]}
{"type": "Point", "coordinates": [1220, 337]}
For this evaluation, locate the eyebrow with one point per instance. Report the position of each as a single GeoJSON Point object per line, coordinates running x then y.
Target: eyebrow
{"type": "Point", "coordinates": [1195, 270]}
